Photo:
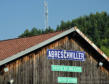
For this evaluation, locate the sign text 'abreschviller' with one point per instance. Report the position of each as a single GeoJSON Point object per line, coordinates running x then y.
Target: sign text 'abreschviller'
{"type": "Point", "coordinates": [66, 55]}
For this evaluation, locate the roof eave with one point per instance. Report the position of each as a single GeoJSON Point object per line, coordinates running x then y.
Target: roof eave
{"type": "Point", "coordinates": [92, 44]}
{"type": "Point", "coordinates": [37, 46]}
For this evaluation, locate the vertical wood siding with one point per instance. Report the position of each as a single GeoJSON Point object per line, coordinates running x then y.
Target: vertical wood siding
{"type": "Point", "coordinates": [35, 68]}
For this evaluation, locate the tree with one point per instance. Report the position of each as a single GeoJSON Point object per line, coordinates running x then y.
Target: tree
{"type": "Point", "coordinates": [25, 34]}
{"type": "Point", "coordinates": [49, 30]}
{"type": "Point", "coordinates": [95, 26]}
{"type": "Point", "coordinates": [34, 31]}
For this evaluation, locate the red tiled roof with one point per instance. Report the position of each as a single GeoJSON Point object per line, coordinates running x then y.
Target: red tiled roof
{"type": "Point", "coordinates": [14, 46]}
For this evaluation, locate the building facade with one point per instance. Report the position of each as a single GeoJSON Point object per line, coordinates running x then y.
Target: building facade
{"type": "Point", "coordinates": [32, 65]}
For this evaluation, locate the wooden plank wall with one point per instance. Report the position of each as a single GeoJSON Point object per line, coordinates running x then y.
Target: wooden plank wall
{"type": "Point", "coordinates": [35, 68]}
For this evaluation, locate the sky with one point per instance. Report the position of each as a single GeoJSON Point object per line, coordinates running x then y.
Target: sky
{"type": "Point", "coordinates": [18, 15]}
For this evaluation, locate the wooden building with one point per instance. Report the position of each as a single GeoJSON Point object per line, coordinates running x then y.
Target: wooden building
{"type": "Point", "coordinates": [25, 61]}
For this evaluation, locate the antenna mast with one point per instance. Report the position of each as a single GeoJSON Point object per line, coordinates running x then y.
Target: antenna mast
{"type": "Point", "coordinates": [46, 14]}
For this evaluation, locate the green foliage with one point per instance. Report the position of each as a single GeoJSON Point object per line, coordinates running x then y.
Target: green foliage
{"type": "Point", "coordinates": [95, 26]}
{"type": "Point", "coordinates": [34, 31]}
{"type": "Point", "coordinates": [106, 50]}
{"type": "Point", "coordinates": [25, 34]}
{"type": "Point", "coordinates": [64, 25]}
{"type": "Point", "coordinates": [49, 30]}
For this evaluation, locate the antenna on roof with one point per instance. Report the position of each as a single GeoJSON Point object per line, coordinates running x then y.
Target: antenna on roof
{"type": "Point", "coordinates": [46, 14]}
